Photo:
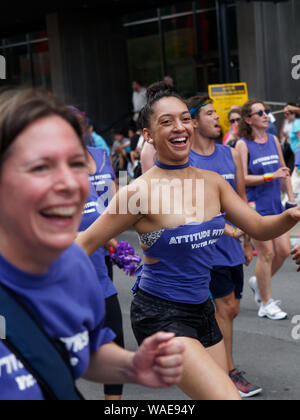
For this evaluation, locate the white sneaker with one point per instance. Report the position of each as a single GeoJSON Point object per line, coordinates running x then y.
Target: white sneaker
{"type": "Point", "coordinates": [272, 311]}
{"type": "Point", "coordinates": [254, 287]}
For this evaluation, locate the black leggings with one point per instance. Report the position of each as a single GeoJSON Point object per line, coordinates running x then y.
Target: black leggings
{"type": "Point", "coordinates": [114, 321]}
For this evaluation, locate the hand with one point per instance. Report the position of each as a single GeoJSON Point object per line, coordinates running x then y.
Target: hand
{"type": "Point", "coordinates": [282, 173]}
{"type": "Point", "coordinates": [290, 205]}
{"type": "Point", "coordinates": [112, 243]}
{"type": "Point", "coordinates": [296, 256]}
{"type": "Point", "coordinates": [294, 213]}
{"type": "Point", "coordinates": [234, 233]}
{"type": "Point", "coordinates": [248, 251]}
{"type": "Point", "coordinates": [158, 363]}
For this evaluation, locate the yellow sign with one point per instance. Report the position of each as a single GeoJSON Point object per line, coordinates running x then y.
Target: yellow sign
{"type": "Point", "coordinates": [224, 97]}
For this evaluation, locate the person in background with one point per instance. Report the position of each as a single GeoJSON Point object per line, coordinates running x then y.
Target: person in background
{"type": "Point", "coordinates": [120, 150]}
{"type": "Point", "coordinates": [234, 117]}
{"type": "Point", "coordinates": [294, 135]}
{"type": "Point", "coordinates": [289, 118]}
{"type": "Point", "coordinates": [169, 81]}
{"type": "Point", "coordinates": [139, 98]}
{"type": "Point", "coordinates": [264, 169]}
{"type": "Point", "coordinates": [271, 129]}
{"type": "Point", "coordinates": [227, 274]}
{"type": "Point", "coordinates": [134, 137]}
{"type": "Point", "coordinates": [97, 139]}
{"type": "Point", "coordinates": [293, 108]}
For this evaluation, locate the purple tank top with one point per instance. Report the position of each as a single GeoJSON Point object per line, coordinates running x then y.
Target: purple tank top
{"type": "Point", "coordinates": [185, 257]}
{"type": "Point", "coordinates": [263, 159]}
{"type": "Point", "coordinates": [229, 252]}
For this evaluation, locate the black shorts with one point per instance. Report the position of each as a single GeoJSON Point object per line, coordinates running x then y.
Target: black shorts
{"type": "Point", "coordinates": [150, 314]}
{"type": "Point", "coordinates": [227, 280]}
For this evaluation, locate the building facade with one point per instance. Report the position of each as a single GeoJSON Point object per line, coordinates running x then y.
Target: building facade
{"type": "Point", "coordinates": [89, 55]}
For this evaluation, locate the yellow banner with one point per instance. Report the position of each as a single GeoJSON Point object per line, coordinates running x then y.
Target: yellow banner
{"type": "Point", "coordinates": [224, 97]}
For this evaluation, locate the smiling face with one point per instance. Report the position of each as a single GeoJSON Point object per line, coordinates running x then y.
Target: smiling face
{"type": "Point", "coordinates": [171, 130]}
{"type": "Point", "coordinates": [43, 188]}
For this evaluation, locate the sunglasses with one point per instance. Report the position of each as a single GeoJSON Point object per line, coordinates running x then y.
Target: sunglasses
{"type": "Point", "coordinates": [261, 113]}
{"type": "Point", "coordinates": [235, 120]}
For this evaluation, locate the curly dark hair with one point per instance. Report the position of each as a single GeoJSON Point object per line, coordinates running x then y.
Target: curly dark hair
{"type": "Point", "coordinates": [155, 92]}
{"type": "Point", "coordinates": [245, 129]}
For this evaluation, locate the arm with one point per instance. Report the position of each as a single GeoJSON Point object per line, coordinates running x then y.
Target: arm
{"type": "Point", "coordinates": [241, 190]}
{"type": "Point", "coordinates": [287, 181]}
{"type": "Point", "coordinates": [115, 220]}
{"type": "Point", "coordinates": [157, 363]}
{"type": "Point", "coordinates": [239, 175]}
{"type": "Point", "coordinates": [258, 227]}
{"type": "Point", "coordinates": [291, 108]}
{"type": "Point", "coordinates": [255, 180]}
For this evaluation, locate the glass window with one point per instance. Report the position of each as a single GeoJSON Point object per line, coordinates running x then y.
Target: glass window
{"type": "Point", "coordinates": [176, 8]}
{"type": "Point", "coordinates": [144, 53]}
{"type": "Point", "coordinates": [180, 52]}
{"type": "Point", "coordinates": [139, 16]}
{"type": "Point", "coordinates": [41, 64]}
{"type": "Point", "coordinates": [18, 66]}
{"type": "Point", "coordinates": [233, 44]}
{"type": "Point", "coordinates": [15, 40]}
{"type": "Point", "coordinates": [207, 61]}
{"type": "Point", "coordinates": [205, 4]}
{"type": "Point", "coordinates": [38, 35]}
{"type": "Point", "coordinates": [28, 64]}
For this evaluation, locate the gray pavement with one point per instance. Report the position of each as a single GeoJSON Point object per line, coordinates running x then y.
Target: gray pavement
{"type": "Point", "coordinates": [264, 349]}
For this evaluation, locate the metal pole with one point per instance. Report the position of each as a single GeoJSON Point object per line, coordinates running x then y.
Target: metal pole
{"type": "Point", "coordinates": [223, 41]}
{"type": "Point", "coordinates": [162, 44]}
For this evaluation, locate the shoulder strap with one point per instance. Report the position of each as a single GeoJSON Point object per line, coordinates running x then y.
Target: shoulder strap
{"type": "Point", "coordinates": [45, 359]}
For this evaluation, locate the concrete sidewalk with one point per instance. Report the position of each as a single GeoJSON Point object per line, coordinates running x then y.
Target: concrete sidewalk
{"type": "Point", "coordinates": [295, 233]}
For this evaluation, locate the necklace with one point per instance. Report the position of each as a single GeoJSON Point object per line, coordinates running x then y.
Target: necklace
{"type": "Point", "coordinates": [171, 167]}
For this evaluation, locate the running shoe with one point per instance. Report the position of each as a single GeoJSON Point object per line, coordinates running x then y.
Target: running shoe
{"type": "Point", "coordinates": [244, 387]}
{"type": "Point", "coordinates": [254, 287]}
{"type": "Point", "coordinates": [272, 311]}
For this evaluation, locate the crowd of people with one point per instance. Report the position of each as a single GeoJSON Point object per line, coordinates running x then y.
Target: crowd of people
{"type": "Point", "coordinates": [63, 175]}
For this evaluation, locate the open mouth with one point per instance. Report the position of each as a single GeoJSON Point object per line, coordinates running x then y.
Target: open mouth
{"type": "Point", "coordinates": [61, 213]}
{"type": "Point", "coordinates": [179, 142]}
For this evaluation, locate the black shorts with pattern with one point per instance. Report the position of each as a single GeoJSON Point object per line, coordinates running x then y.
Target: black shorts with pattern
{"type": "Point", "coordinates": [150, 314]}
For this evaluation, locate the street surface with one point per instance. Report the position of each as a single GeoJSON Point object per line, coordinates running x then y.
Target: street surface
{"type": "Point", "coordinates": [265, 349]}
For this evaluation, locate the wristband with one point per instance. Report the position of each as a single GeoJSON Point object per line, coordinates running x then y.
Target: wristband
{"type": "Point", "coordinates": [290, 205]}
{"type": "Point", "coordinates": [268, 177]}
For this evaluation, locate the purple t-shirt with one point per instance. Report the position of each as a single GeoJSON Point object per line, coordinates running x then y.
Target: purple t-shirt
{"type": "Point", "coordinates": [68, 301]}
{"type": "Point", "coordinates": [90, 215]}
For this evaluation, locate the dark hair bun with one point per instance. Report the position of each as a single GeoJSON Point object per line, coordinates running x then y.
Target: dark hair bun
{"type": "Point", "coordinates": [155, 89]}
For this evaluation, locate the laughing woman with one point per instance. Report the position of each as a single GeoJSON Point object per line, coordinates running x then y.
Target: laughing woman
{"type": "Point", "coordinates": [49, 291]}
{"type": "Point", "coordinates": [173, 288]}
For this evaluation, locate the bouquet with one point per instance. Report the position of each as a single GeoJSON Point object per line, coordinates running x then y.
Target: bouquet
{"type": "Point", "coordinates": [125, 258]}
